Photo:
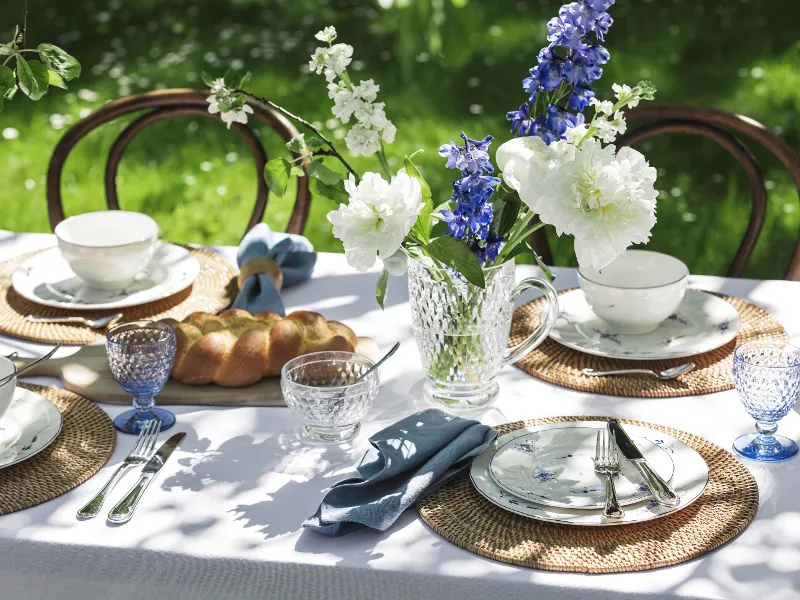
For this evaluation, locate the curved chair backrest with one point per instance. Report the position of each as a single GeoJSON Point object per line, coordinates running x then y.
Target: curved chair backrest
{"type": "Point", "coordinates": [165, 104]}
{"type": "Point", "coordinates": [724, 128]}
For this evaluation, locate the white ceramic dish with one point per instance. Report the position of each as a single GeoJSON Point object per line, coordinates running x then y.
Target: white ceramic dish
{"type": "Point", "coordinates": [7, 389]}
{"type": "Point", "coordinates": [637, 292]}
{"type": "Point", "coordinates": [31, 424]}
{"type": "Point", "coordinates": [701, 323]}
{"type": "Point", "coordinates": [107, 249]}
{"type": "Point", "coordinates": [47, 279]}
{"type": "Point", "coordinates": [690, 480]}
{"type": "Point", "coordinates": [554, 466]}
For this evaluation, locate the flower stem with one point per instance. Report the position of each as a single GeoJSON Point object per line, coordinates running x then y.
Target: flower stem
{"type": "Point", "coordinates": [304, 123]}
{"type": "Point", "coordinates": [24, 22]}
{"type": "Point", "coordinates": [381, 156]}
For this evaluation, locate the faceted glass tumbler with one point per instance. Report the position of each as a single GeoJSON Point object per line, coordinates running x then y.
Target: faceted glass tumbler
{"type": "Point", "coordinates": [462, 330]}
{"type": "Point", "coordinates": [767, 378]}
{"type": "Point", "coordinates": [140, 355]}
{"type": "Point", "coordinates": [320, 388]}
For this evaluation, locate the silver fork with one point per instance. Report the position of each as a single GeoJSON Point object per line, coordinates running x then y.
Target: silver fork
{"type": "Point", "coordinates": [140, 453]}
{"type": "Point", "coordinates": [606, 462]}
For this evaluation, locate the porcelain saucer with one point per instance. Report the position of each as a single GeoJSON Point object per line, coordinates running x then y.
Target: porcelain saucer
{"type": "Point", "coordinates": [47, 279]}
{"type": "Point", "coordinates": [29, 425]}
{"type": "Point", "coordinates": [702, 322]}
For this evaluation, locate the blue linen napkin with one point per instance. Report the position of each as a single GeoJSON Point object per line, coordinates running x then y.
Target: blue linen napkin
{"type": "Point", "coordinates": [295, 256]}
{"type": "Point", "coordinates": [413, 457]}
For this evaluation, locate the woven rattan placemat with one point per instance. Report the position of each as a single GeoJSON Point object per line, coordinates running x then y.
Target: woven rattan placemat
{"type": "Point", "coordinates": [462, 516]}
{"type": "Point", "coordinates": [85, 444]}
{"type": "Point", "coordinates": [555, 363]}
{"type": "Point", "coordinates": [213, 290]}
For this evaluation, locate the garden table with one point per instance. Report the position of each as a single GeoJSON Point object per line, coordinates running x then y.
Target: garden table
{"type": "Point", "coordinates": [223, 519]}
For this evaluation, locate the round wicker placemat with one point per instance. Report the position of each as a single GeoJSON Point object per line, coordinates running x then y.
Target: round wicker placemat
{"type": "Point", "coordinates": [462, 516]}
{"type": "Point", "coordinates": [85, 444]}
{"type": "Point", "coordinates": [213, 290]}
{"type": "Point", "coordinates": [555, 363]}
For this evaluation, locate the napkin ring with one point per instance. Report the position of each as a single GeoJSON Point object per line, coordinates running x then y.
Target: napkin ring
{"type": "Point", "coordinates": [258, 265]}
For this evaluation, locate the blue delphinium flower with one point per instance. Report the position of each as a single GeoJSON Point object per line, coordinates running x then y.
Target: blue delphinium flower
{"type": "Point", "coordinates": [471, 217]}
{"type": "Point", "coordinates": [567, 68]}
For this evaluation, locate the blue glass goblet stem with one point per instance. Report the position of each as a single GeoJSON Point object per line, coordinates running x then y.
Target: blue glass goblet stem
{"type": "Point", "coordinates": [767, 378]}
{"type": "Point", "coordinates": [141, 355]}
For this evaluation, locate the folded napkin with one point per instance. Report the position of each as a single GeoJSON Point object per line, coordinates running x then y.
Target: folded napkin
{"type": "Point", "coordinates": [294, 254]}
{"type": "Point", "coordinates": [411, 458]}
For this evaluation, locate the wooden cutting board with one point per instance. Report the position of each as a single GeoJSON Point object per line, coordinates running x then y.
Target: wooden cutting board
{"type": "Point", "coordinates": [86, 373]}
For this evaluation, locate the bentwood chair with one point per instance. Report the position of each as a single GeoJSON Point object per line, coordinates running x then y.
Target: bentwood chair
{"type": "Point", "coordinates": [726, 129]}
{"type": "Point", "coordinates": [165, 104]}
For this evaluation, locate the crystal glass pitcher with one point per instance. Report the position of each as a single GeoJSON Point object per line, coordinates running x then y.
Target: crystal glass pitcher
{"type": "Point", "coordinates": [462, 330]}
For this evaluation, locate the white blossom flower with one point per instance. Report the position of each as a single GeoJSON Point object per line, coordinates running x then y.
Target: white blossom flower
{"type": "Point", "coordinates": [605, 107]}
{"type": "Point", "coordinates": [377, 218]}
{"type": "Point", "coordinates": [326, 35]}
{"type": "Point", "coordinates": [388, 132]}
{"type": "Point", "coordinates": [607, 130]}
{"type": "Point", "coordinates": [626, 94]}
{"type": "Point", "coordinates": [345, 102]}
{"type": "Point", "coordinates": [367, 90]}
{"type": "Point", "coordinates": [372, 115]}
{"type": "Point", "coordinates": [232, 116]}
{"type": "Point", "coordinates": [331, 61]}
{"type": "Point", "coordinates": [362, 141]}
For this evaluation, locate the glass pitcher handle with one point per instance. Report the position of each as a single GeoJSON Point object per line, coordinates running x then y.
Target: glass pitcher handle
{"type": "Point", "coordinates": [545, 324]}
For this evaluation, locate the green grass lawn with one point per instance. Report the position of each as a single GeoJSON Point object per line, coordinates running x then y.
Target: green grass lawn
{"type": "Point", "coordinates": [442, 65]}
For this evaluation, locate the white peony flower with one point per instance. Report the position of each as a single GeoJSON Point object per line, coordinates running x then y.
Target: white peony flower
{"type": "Point", "coordinates": [326, 35]}
{"type": "Point", "coordinates": [377, 218]}
{"type": "Point", "coordinates": [362, 141]}
{"type": "Point", "coordinates": [606, 200]}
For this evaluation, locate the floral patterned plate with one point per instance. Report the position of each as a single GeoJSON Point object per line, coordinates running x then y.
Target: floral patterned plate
{"type": "Point", "coordinates": [554, 466]}
{"type": "Point", "coordinates": [47, 279]}
{"type": "Point", "coordinates": [689, 479]}
{"type": "Point", "coordinates": [29, 426]}
{"type": "Point", "coordinates": [702, 323]}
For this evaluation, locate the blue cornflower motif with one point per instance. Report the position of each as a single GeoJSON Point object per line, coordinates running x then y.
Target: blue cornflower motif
{"type": "Point", "coordinates": [580, 71]}
{"type": "Point", "coordinates": [452, 152]}
{"type": "Point", "coordinates": [580, 97]}
{"type": "Point", "coordinates": [594, 53]}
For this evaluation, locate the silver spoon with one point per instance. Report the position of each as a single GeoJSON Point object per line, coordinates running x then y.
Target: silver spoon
{"type": "Point", "coordinates": [29, 366]}
{"type": "Point", "coordinates": [90, 323]}
{"type": "Point", "coordinates": [386, 357]}
{"type": "Point", "coordinates": [671, 373]}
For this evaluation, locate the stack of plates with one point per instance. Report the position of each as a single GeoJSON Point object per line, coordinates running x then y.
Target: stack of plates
{"type": "Point", "coordinates": [47, 279]}
{"type": "Point", "coordinates": [702, 322]}
{"type": "Point", "coordinates": [547, 473]}
{"type": "Point", "coordinates": [30, 425]}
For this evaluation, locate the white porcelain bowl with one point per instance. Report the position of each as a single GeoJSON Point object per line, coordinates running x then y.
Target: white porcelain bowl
{"type": "Point", "coordinates": [637, 292]}
{"type": "Point", "coordinates": [6, 390]}
{"type": "Point", "coordinates": [107, 249]}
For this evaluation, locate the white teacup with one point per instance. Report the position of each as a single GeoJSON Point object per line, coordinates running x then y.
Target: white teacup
{"type": "Point", "coordinates": [7, 389]}
{"type": "Point", "coordinates": [637, 292]}
{"type": "Point", "coordinates": [107, 249]}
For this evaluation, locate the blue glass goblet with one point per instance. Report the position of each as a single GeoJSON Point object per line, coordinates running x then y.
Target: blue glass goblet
{"type": "Point", "coordinates": [767, 378]}
{"type": "Point", "coordinates": [141, 355]}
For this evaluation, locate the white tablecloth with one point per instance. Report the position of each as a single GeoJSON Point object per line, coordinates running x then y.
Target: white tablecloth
{"type": "Point", "coordinates": [223, 519]}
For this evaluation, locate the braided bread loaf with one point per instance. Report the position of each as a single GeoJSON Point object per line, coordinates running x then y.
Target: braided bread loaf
{"type": "Point", "coordinates": [235, 349]}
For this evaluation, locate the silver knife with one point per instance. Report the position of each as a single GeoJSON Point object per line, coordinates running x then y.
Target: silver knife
{"type": "Point", "coordinates": [125, 508]}
{"type": "Point", "coordinates": [660, 489]}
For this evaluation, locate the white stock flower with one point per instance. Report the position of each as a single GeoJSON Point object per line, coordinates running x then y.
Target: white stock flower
{"type": "Point", "coordinates": [345, 102]}
{"type": "Point", "coordinates": [377, 218]}
{"type": "Point", "coordinates": [607, 130]}
{"type": "Point", "coordinates": [326, 35]}
{"type": "Point", "coordinates": [367, 90]}
{"type": "Point", "coordinates": [626, 94]}
{"type": "Point", "coordinates": [606, 200]}
{"type": "Point", "coordinates": [605, 107]}
{"type": "Point", "coordinates": [362, 141]}
{"type": "Point", "coordinates": [574, 134]}
{"type": "Point", "coordinates": [388, 133]}
{"type": "Point", "coordinates": [371, 115]}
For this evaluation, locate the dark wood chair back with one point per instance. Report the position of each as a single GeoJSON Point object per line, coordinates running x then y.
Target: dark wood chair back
{"type": "Point", "coordinates": [726, 129]}
{"type": "Point", "coordinates": [165, 104]}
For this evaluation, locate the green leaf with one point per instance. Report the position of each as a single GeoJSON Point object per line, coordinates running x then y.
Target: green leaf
{"type": "Point", "coordinates": [319, 171]}
{"type": "Point", "coordinates": [380, 289]}
{"type": "Point", "coordinates": [1, 104]}
{"type": "Point", "coordinates": [11, 93]}
{"type": "Point", "coordinates": [422, 228]}
{"type": "Point", "coordinates": [334, 193]}
{"type": "Point", "coordinates": [207, 79]}
{"type": "Point", "coordinates": [33, 78]}
{"type": "Point", "coordinates": [59, 61]}
{"type": "Point", "coordinates": [548, 274]}
{"type": "Point", "coordinates": [504, 214]}
{"type": "Point", "coordinates": [55, 79]}
{"type": "Point", "coordinates": [297, 171]}
{"type": "Point", "coordinates": [234, 79]}
{"type": "Point", "coordinates": [456, 254]}
{"type": "Point", "coordinates": [277, 173]}
{"type": "Point", "coordinates": [7, 49]}
{"type": "Point", "coordinates": [315, 143]}
{"type": "Point", "coordinates": [297, 143]}
{"type": "Point", "coordinates": [522, 248]}
{"type": "Point", "coordinates": [6, 79]}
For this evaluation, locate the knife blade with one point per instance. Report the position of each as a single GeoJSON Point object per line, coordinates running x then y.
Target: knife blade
{"type": "Point", "coordinates": [123, 511]}
{"type": "Point", "coordinates": [660, 489]}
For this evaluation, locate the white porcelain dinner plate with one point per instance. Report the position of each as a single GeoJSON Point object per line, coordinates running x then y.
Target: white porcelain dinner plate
{"type": "Point", "coordinates": [702, 322]}
{"type": "Point", "coordinates": [47, 279]}
{"type": "Point", "coordinates": [690, 478]}
{"type": "Point", "coordinates": [554, 466]}
{"type": "Point", "coordinates": [29, 426]}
